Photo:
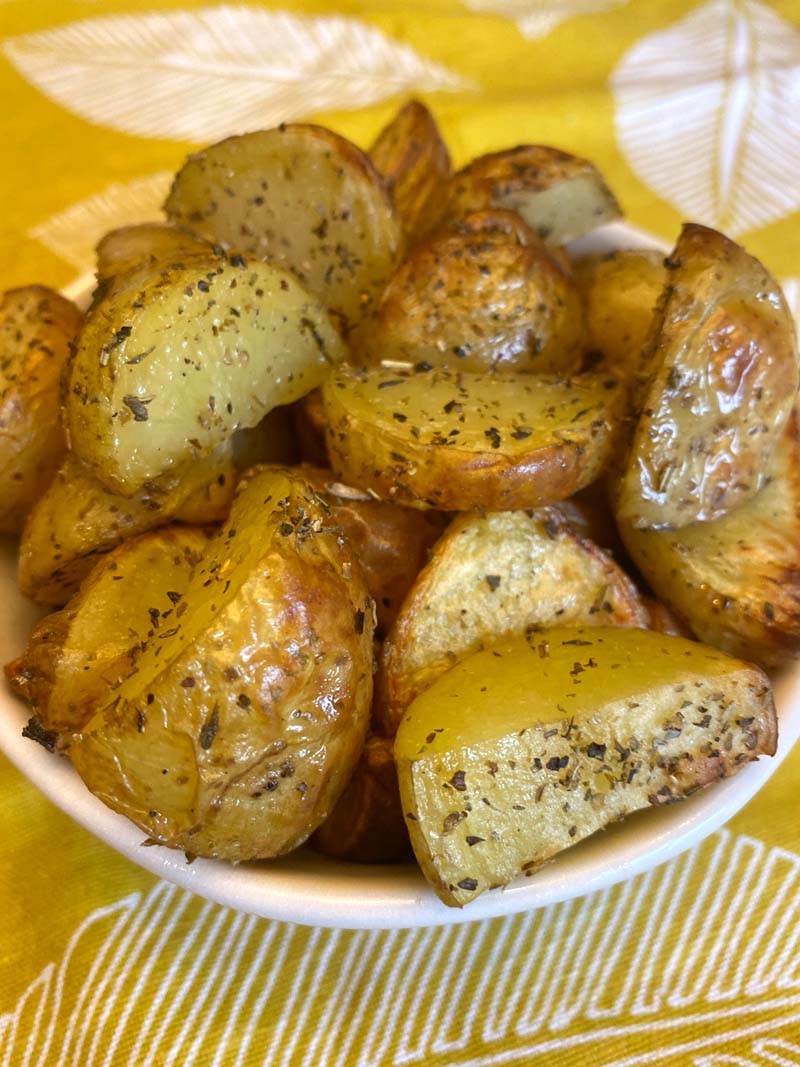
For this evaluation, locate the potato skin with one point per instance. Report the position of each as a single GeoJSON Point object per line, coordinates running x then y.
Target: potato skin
{"type": "Point", "coordinates": [176, 358]}
{"type": "Point", "coordinates": [475, 301]}
{"type": "Point", "coordinates": [37, 326]}
{"type": "Point", "coordinates": [559, 195]}
{"type": "Point", "coordinates": [151, 243]}
{"type": "Point", "coordinates": [301, 196]}
{"type": "Point", "coordinates": [562, 733]}
{"type": "Point", "coordinates": [244, 720]}
{"type": "Point", "coordinates": [367, 825]}
{"type": "Point", "coordinates": [724, 379]}
{"type": "Point", "coordinates": [521, 440]}
{"type": "Point", "coordinates": [411, 155]}
{"type": "Point", "coordinates": [76, 656]}
{"type": "Point", "coordinates": [736, 581]}
{"type": "Point", "coordinates": [490, 577]}
{"type": "Point", "coordinates": [390, 542]}
{"type": "Point", "coordinates": [77, 520]}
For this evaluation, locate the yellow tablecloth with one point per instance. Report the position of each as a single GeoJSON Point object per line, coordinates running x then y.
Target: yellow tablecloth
{"type": "Point", "coordinates": [691, 109]}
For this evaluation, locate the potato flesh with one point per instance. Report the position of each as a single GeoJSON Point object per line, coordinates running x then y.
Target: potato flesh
{"type": "Point", "coordinates": [77, 520]}
{"type": "Point", "coordinates": [560, 196]}
{"type": "Point", "coordinates": [37, 326]}
{"type": "Point", "coordinates": [491, 577]}
{"type": "Point", "coordinates": [724, 381]}
{"type": "Point", "coordinates": [153, 243]}
{"type": "Point", "coordinates": [524, 749]}
{"type": "Point", "coordinates": [255, 700]}
{"type": "Point", "coordinates": [170, 364]}
{"type": "Point", "coordinates": [76, 656]}
{"type": "Point", "coordinates": [735, 580]}
{"type": "Point", "coordinates": [413, 158]}
{"type": "Point", "coordinates": [460, 441]}
{"type": "Point", "coordinates": [300, 196]}
{"type": "Point", "coordinates": [476, 302]}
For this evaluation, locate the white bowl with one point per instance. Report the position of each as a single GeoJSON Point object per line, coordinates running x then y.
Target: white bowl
{"type": "Point", "coordinates": [307, 888]}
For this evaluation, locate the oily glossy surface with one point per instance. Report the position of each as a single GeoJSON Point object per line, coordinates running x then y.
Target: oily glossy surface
{"type": "Point", "coordinates": [307, 888]}
{"type": "Point", "coordinates": [452, 442]}
{"type": "Point", "coordinates": [239, 338]}
{"type": "Point", "coordinates": [523, 749]}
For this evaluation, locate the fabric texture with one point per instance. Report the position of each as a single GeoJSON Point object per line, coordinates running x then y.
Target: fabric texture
{"type": "Point", "coordinates": [692, 110]}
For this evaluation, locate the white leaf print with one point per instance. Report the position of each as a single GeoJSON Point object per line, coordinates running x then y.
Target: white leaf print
{"type": "Point", "coordinates": [708, 114]}
{"type": "Point", "coordinates": [73, 233]}
{"type": "Point", "coordinates": [153, 977]}
{"type": "Point", "coordinates": [202, 75]}
{"type": "Point", "coordinates": [538, 18]}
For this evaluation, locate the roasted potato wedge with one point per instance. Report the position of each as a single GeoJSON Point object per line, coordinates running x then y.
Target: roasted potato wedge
{"type": "Point", "coordinates": [736, 581]}
{"type": "Point", "coordinates": [494, 576]}
{"type": "Point", "coordinates": [559, 195]}
{"type": "Point", "coordinates": [176, 359]}
{"type": "Point", "coordinates": [244, 719]}
{"type": "Point", "coordinates": [478, 301]}
{"type": "Point", "coordinates": [665, 621]}
{"type": "Point", "coordinates": [303, 197]}
{"type": "Point", "coordinates": [723, 384]}
{"type": "Point", "coordinates": [77, 520]}
{"type": "Point", "coordinates": [454, 442]}
{"type": "Point", "coordinates": [526, 748]}
{"type": "Point", "coordinates": [37, 327]}
{"type": "Point", "coordinates": [620, 291]}
{"type": "Point", "coordinates": [589, 513]}
{"type": "Point", "coordinates": [391, 542]}
{"type": "Point", "coordinates": [308, 420]}
{"type": "Point", "coordinates": [77, 656]}
{"type": "Point", "coordinates": [367, 825]}
{"type": "Point", "coordinates": [411, 155]}
{"type": "Point", "coordinates": [149, 243]}
{"type": "Point", "coordinates": [273, 440]}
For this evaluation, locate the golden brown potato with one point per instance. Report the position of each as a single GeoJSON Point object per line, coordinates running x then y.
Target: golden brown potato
{"type": "Point", "coordinates": [663, 620]}
{"type": "Point", "coordinates": [78, 520]}
{"type": "Point", "coordinates": [148, 243]}
{"type": "Point", "coordinates": [303, 197]}
{"type": "Point", "coordinates": [367, 825]}
{"type": "Point", "coordinates": [77, 656]}
{"type": "Point", "coordinates": [736, 581]}
{"type": "Point", "coordinates": [724, 379]}
{"type": "Point", "coordinates": [477, 301]}
{"type": "Point", "coordinates": [172, 362]}
{"type": "Point", "coordinates": [390, 542]}
{"type": "Point", "coordinates": [454, 442]}
{"type": "Point", "coordinates": [244, 720]}
{"type": "Point", "coordinates": [37, 327]}
{"type": "Point", "coordinates": [526, 748]}
{"type": "Point", "coordinates": [559, 195]}
{"type": "Point", "coordinates": [620, 291]}
{"type": "Point", "coordinates": [589, 513]}
{"type": "Point", "coordinates": [491, 577]}
{"type": "Point", "coordinates": [411, 155]}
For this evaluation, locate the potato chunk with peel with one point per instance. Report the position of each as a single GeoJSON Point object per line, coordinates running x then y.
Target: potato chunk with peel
{"type": "Point", "coordinates": [78, 520]}
{"type": "Point", "coordinates": [438, 439]}
{"type": "Point", "coordinates": [245, 715]}
{"type": "Point", "coordinates": [411, 155]}
{"type": "Point", "coordinates": [151, 243]}
{"type": "Point", "coordinates": [559, 195]}
{"type": "Point", "coordinates": [724, 372]}
{"type": "Point", "coordinates": [300, 196]}
{"type": "Point", "coordinates": [77, 656]}
{"type": "Point", "coordinates": [475, 301]}
{"type": "Point", "coordinates": [736, 580]}
{"type": "Point", "coordinates": [525, 748]}
{"type": "Point", "coordinates": [170, 363]}
{"type": "Point", "coordinates": [496, 576]}
{"type": "Point", "coordinates": [37, 326]}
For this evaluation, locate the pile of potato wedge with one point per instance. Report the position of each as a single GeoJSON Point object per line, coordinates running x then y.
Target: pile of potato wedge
{"type": "Point", "coordinates": [369, 515]}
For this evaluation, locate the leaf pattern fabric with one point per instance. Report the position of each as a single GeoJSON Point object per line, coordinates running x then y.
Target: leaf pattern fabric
{"type": "Point", "coordinates": [690, 107]}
